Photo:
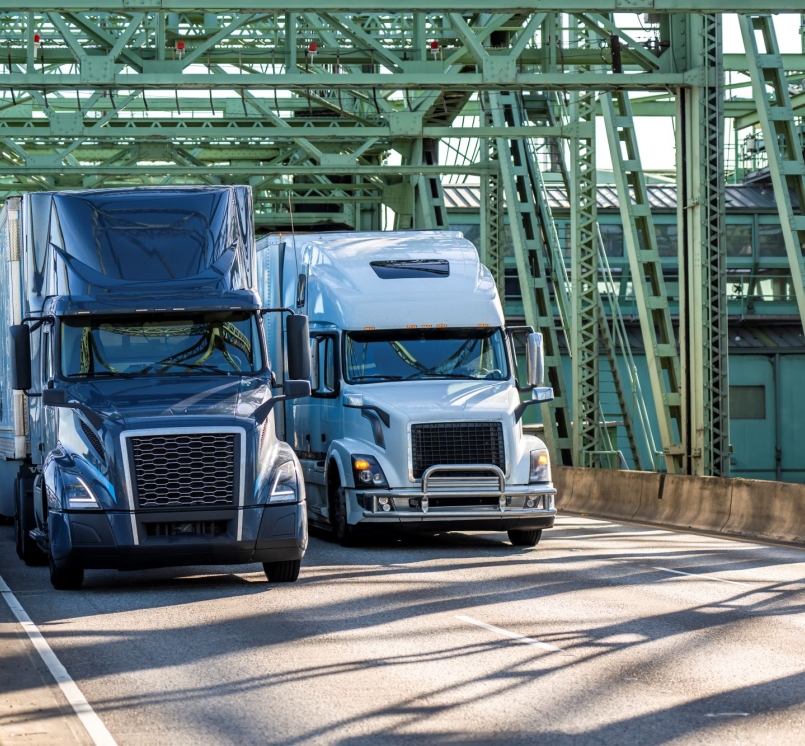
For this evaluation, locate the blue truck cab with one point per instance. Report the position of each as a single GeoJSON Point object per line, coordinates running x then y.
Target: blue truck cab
{"type": "Point", "coordinates": [138, 429]}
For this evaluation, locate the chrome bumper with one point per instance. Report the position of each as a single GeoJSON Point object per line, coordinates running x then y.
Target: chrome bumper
{"type": "Point", "coordinates": [501, 500]}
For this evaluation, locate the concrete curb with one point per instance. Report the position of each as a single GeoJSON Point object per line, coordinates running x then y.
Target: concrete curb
{"type": "Point", "coordinates": [750, 508]}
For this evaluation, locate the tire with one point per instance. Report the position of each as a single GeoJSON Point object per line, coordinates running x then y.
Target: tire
{"type": "Point", "coordinates": [286, 571]}
{"type": "Point", "coordinates": [64, 578]}
{"type": "Point", "coordinates": [525, 538]}
{"type": "Point", "coordinates": [344, 533]}
{"type": "Point", "coordinates": [27, 549]}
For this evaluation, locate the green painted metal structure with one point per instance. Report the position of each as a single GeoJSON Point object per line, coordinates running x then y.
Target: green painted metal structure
{"type": "Point", "coordinates": [355, 117]}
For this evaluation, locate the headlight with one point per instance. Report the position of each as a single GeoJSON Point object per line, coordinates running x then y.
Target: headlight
{"type": "Point", "coordinates": [75, 493]}
{"type": "Point", "coordinates": [285, 484]}
{"type": "Point", "coordinates": [367, 472]}
{"type": "Point", "coordinates": [540, 467]}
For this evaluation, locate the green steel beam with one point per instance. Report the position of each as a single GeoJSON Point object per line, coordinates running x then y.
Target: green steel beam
{"type": "Point", "coordinates": [703, 257]}
{"type": "Point", "coordinates": [647, 276]}
{"type": "Point", "coordinates": [783, 143]}
{"type": "Point", "coordinates": [494, 80]}
{"type": "Point", "coordinates": [584, 287]}
{"type": "Point", "coordinates": [418, 6]}
{"type": "Point", "coordinates": [536, 281]}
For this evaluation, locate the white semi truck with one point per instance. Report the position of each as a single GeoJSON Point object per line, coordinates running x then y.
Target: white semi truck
{"type": "Point", "coordinates": [415, 417]}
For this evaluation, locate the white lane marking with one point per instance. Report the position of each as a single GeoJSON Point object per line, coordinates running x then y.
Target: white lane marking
{"type": "Point", "coordinates": [93, 724]}
{"type": "Point", "coordinates": [705, 577]}
{"type": "Point", "coordinates": [615, 533]}
{"type": "Point", "coordinates": [727, 715]}
{"type": "Point", "coordinates": [513, 635]}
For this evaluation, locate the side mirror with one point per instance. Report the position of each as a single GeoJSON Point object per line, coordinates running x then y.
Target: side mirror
{"type": "Point", "coordinates": [54, 397]}
{"type": "Point", "coordinates": [20, 338]}
{"type": "Point", "coordinates": [535, 359]}
{"type": "Point", "coordinates": [295, 389]}
{"type": "Point", "coordinates": [291, 389]}
{"type": "Point", "coordinates": [298, 347]}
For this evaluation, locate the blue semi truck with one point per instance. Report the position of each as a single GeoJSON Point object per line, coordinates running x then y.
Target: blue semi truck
{"type": "Point", "coordinates": [137, 424]}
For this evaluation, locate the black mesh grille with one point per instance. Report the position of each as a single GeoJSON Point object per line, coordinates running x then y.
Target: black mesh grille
{"type": "Point", "coordinates": [456, 443]}
{"type": "Point", "coordinates": [92, 437]}
{"type": "Point", "coordinates": [177, 469]}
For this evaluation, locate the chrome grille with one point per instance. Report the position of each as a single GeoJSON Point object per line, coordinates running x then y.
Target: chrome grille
{"type": "Point", "coordinates": [457, 443]}
{"type": "Point", "coordinates": [184, 469]}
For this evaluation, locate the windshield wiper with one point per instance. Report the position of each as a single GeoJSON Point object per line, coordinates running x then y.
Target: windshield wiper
{"type": "Point", "coordinates": [199, 366]}
{"type": "Point", "coordinates": [105, 374]}
{"type": "Point", "coordinates": [430, 374]}
{"type": "Point", "coordinates": [376, 377]}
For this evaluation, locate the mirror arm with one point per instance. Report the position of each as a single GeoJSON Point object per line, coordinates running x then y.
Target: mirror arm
{"type": "Point", "coordinates": [38, 321]}
{"type": "Point", "coordinates": [264, 311]}
{"type": "Point", "coordinates": [520, 409]}
{"type": "Point", "coordinates": [261, 413]}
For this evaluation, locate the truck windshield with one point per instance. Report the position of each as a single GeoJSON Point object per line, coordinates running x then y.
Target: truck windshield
{"type": "Point", "coordinates": [218, 343]}
{"type": "Point", "coordinates": [410, 354]}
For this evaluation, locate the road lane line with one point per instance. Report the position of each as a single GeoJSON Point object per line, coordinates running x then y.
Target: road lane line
{"type": "Point", "coordinates": [513, 635]}
{"type": "Point", "coordinates": [649, 533]}
{"type": "Point", "coordinates": [92, 723]}
{"type": "Point", "coordinates": [705, 577]}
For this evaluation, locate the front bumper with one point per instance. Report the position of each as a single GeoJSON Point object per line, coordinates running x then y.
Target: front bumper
{"type": "Point", "coordinates": [112, 540]}
{"type": "Point", "coordinates": [493, 507]}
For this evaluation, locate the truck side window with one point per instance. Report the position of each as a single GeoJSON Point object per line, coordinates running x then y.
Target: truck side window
{"type": "Point", "coordinates": [324, 378]}
{"type": "Point", "coordinates": [517, 345]}
{"type": "Point", "coordinates": [47, 373]}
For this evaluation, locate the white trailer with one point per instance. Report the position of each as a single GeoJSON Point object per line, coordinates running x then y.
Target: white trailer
{"type": "Point", "coordinates": [415, 418]}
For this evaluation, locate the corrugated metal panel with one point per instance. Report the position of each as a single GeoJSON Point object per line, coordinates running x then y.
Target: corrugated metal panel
{"type": "Point", "coordinates": [661, 197]}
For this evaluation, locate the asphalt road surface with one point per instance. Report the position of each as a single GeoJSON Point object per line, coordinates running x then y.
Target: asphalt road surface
{"type": "Point", "coordinates": [603, 634]}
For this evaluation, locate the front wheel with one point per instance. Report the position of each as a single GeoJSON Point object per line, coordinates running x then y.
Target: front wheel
{"type": "Point", "coordinates": [64, 578]}
{"type": "Point", "coordinates": [344, 533]}
{"type": "Point", "coordinates": [525, 538]}
{"type": "Point", "coordinates": [286, 571]}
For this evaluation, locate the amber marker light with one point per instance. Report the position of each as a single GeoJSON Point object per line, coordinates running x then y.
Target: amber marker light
{"type": "Point", "coordinates": [361, 464]}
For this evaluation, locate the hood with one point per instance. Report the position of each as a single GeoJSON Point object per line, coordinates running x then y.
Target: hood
{"type": "Point", "coordinates": [443, 399]}
{"type": "Point", "coordinates": [133, 398]}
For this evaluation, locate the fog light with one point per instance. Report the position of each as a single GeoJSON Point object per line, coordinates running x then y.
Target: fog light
{"type": "Point", "coordinates": [386, 508]}
{"type": "Point", "coordinates": [365, 476]}
{"type": "Point", "coordinates": [530, 501]}
{"type": "Point", "coordinates": [383, 500]}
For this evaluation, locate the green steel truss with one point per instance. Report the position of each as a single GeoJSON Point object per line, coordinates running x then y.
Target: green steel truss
{"type": "Point", "coordinates": [358, 115]}
{"type": "Point", "coordinates": [782, 141]}
{"type": "Point", "coordinates": [647, 276]}
{"type": "Point", "coordinates": [702, 256]}
{"type": "Point", "coordinates": [533, 266]}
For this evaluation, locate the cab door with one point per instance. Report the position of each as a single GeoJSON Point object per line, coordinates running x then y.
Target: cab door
{"type": "Point", "coordinates": [321, 413]}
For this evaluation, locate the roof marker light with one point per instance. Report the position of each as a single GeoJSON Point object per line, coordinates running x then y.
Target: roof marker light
{"type": "Point", "coordinates": [441, 326]}
{"type": "Point", "coordinates": [483, 324]}
{"type": "Point", "coordinates": [427, 326]}
{"type": "Point", "coordinates": [411, 326]}
{"type": "Point", "coordinates": [368, 328]}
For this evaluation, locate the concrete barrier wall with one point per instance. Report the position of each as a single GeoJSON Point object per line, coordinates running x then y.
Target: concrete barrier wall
{"type": "Point", "coordinates": [750, 508]}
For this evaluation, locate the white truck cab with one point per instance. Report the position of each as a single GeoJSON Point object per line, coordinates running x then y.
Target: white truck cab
{"type": "Point", "coordinates": [415, 417]}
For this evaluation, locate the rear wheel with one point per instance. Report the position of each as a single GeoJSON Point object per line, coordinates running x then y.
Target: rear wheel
{"type": "Point", "coordinates": [64, 578]}
{"type": "Point", "coordinates": [525, 538]}
{"type": "Point", "coordinates": [286, 571]}
{"type": "Point", "coordinates": [24, 521]}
